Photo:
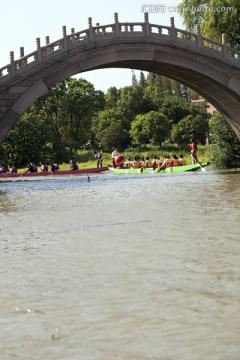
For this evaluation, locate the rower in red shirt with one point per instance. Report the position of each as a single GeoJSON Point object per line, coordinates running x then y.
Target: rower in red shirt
{"type": "Point", "coordinates": [193, 150]}
{"type": "Point", "coordinates": [31, 167]}
{"type": "Point", "coordinates": [43, 167]}
{"type": "Point", "coordinates": [73, 165]}
{"type": "Point", "coordinates": [54, 167]}
{"type": "Point", "coordinates": [12, 169]}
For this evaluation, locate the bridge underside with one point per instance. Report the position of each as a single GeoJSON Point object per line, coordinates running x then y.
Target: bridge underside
{"type": "Point", "coordinates": [214, 79]}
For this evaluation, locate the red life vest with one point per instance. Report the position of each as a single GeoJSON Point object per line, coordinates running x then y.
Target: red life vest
{"type": "Point", "coordinates": [33, 168]}
{"type": "Point", "coordinates": [54, 167]}
{"type": "Point", "coordinates": [193, 147]}
{"type": "Point", "coordinates": [13, 170]}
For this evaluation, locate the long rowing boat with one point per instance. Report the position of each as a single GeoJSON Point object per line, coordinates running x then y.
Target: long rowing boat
{"type": "Point", "coordinates": [55, 173]}
{"type": "Point", "coordinates": [173, 169]}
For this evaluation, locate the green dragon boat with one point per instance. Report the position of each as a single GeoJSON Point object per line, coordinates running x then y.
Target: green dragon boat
{"type": "Point", "coordinates": [173, 169]}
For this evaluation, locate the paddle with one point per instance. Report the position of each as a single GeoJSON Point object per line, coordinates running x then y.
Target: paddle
{"type": "Point", "coordinates": [202, 169]}
{"type": "Point", "coordinates": [161, 169]}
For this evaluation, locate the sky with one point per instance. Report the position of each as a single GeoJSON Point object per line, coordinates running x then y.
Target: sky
{"type": "Point", "coordinates": [22, 21]}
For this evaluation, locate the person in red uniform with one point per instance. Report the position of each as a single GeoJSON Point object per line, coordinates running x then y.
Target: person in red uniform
{"type": "Point", "coordinates": [4, 169]}
{"type": "Point", "coordinates": [43, 167]}
{"type": "Point", "coordinates": [31, 167]}
{"type": "Point", "coordinates": [115, 153]}
{"type": "Point", "coordinates": [193, 150]}
{"type": "Point", "coordinates": [165, 162]}
{"type": "Point", "coordinates": [173, 161]}
{"type": "Point", "coordinates": [54, 167]}
{"type": "Point", "coordinates": [73, 165]}
{"type": "Point", "coordinates": [12, 169]}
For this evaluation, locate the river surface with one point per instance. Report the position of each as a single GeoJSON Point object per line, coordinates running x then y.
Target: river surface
{"type": "Point", "coordinates": [141, 267]}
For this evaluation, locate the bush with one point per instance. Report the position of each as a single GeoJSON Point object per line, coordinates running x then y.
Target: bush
{"type": "Point", "coordinates": [225, 148]}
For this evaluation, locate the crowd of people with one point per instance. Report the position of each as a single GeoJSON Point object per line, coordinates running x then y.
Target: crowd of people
{"type": "Point", "coordinates": [156, 162]}
{"type": "Point", "coordinates": [43, 167]}
{"type": "Point", "coordinates": [11, 169]}
{"type": "Point", "coordinates": [146, 162]}
{"type": "Point", "coordinates": [117, 161]}
{"type": "Point", "coordinates": [31, 167]}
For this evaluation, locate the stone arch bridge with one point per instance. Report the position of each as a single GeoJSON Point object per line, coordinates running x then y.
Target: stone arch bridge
{"type": "Point", "coordinates": [210, 68]}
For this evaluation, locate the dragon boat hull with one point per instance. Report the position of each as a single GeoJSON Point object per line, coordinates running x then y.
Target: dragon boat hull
{"type": "Point", "coordinates": [53, 174]}
{"type": "Point", "coordinates": [173, 169]}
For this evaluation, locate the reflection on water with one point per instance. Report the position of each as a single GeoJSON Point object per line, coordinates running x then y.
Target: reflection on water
{"type": "Point", "coordinates": [121, 267]}
{"type": "Point", "coordinates": [6, 204]}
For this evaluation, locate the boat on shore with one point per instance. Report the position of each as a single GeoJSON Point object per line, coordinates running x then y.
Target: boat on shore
{"type": "Point", "coordinates": [172, 169]}
{"type": "Point", "coordinates": [53, 174]}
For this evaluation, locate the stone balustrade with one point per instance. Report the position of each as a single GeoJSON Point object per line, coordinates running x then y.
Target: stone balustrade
{"type": "Point", "coordinates": [145, 30]}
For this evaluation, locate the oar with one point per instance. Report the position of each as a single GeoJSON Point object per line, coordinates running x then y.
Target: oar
{"type": "Point", "coordinates": [202, 169]}
{"type": "Point", "coordinates": [161, 169]}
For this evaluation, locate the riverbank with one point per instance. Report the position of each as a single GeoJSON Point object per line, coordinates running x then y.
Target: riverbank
{"type": "Point", "coordinates": [86, 159]}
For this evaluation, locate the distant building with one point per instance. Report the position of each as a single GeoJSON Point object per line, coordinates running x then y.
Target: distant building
{"type": "Point", "coordinates": [210, 108]}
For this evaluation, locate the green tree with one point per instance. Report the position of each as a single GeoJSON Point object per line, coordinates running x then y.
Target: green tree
{"type": "Point", "coordinates": [154, 97]}
{"type": "Point", "coordinates": [103, 120]}
{"type": "Point", "coordinates": [131, 102]}
{"type": "Point", "coordinates": [68, 109]}
{"type": "Point", "coordinates": [225, 150]}
{"type": "Point", "coordinates": [151, 127]}
{"type": "Point", "coordinates": [134, 78]}
{"type": "Point", "coordinates": [114, 136]}
{"type": "Point", "coordinates": [190, 126]}
{"type": "Point", "coordinates": [139, 131]}
{"type": "Point", "coordinates": [212, 19]}
{"type": "Point", "coordinates": [175, 109]}
{"type": "Point", "coordinates": [142, 80]}
{"type": "Point", "coordinates": [111, 97]}
{"type": "Point", "coordinates": [158, 127]}
{"type": "Point", "coordinates": [27, 141]}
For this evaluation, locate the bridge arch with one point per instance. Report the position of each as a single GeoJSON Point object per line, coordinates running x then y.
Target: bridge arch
{"type": "Point", "coordinates": [210, 68]}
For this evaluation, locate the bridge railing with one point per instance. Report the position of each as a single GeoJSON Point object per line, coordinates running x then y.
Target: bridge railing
{"type": "Point", "coordinates": [170, 34]}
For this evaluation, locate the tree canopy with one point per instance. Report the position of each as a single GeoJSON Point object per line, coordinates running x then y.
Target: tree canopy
{"type": "Point", "coordinates": [152, 127]}
{"type": "Point", "coordinates": [215, 17]}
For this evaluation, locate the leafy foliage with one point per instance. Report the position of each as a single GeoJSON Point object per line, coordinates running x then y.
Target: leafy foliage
{"type": "Point", "coordinates": [225, 151]}
{"type": "Point", "coordinates": [215, 18]}
{"type": "Point", "coordinates": [151, 127]}
{"type": "Point", "coordinates": [114, 136]}
{"type": "Point", "coordinates": [28, 141]}
{"type": "Point", "coordinates": [190, 126]}
{"type": "Point", "coordinates": [132, 102]}
{"type": "Point", "coordinates": [111, 97]}
{"type": "Point", "coordinates": [68, 109]}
